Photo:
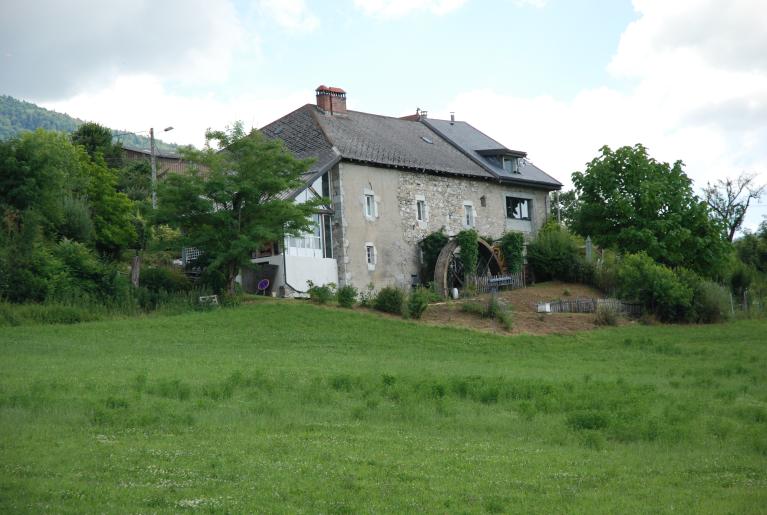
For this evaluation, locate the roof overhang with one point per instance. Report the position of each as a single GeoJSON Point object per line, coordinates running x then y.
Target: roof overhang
{"type": "Point", "coordinates": [487, 152]}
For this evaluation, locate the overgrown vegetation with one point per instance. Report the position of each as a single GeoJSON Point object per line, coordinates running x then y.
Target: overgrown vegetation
{"type": "Point", "coordinates": [492, 308]}
{"type": "Point", "coordinates": [346, 296]}
{"type": "Point", "coordinates": [431, 246]}
{"type": "Point", "coordinates": [418, 302]}
{"type": "Point", "coordinates": [184, 411]}
{"type": "Point", "coordinates": [469, 252]}
{"type": "Point", "coordinates": [513, 245]}
{"type": "Point", "coordinates": [389, 300]}
{"type": "Point", "coordinates": [321, 294]}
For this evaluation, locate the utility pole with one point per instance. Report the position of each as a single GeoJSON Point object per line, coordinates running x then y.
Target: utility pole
{"type": "Point", "coordinates": [153, 160]}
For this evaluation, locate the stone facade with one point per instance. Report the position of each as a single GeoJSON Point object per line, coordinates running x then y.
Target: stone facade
{"type": "Point", "coordinates": [391, 227]}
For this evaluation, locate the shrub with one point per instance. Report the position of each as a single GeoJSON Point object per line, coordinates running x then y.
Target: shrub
{"type": "Point", "coordinates": [710, 301]}
{"type": "Point", "coordinates": [606, 315]}
{"type": "Point", "coordinates": [431, 246]}
{"type": "Point", "coordinates": [512, 246]}
{"type": "Point", "coordinates": [418, 301]}
{"type": "Point", "coordinates": [346, 296]}
{"type": "Point", "coordinates": [492, 309]}
{"type": "Point", "coordinates": [389, 300]}
{"type": "Point", "coordinates": [367, 296]}
{"type": "Point", "coordinates": [606, 273]}
{"type": "Point", "coordinates": [321, 294]}
{"type": "Point", "coordinates": [467, 240]}
{"type": "Point", "coordinates": [170, 280]}
{"type": "Point", "coordinates": [554, 255]}
{"type": "Point", "coordinates": [656, 286]}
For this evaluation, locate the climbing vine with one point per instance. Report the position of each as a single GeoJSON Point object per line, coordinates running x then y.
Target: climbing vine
{"type": "Point", "coordinates": [431, 246]}
{"type": "Point", "coordinates": [512, 245]}
{"type": "Point", "coordinates": [467, 240]}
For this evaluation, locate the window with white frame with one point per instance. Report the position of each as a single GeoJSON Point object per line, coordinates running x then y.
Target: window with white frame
{"type": "Point", "coordinates": [468, 215]}
{"type": "Point", "coordinates": [369, 207]}
{"type": "Point", "coordinates": [370, 255]}
{"type": "Point", "coordinates": [518, 208]}
{"type": "Point", "coordinates": [420, 210]}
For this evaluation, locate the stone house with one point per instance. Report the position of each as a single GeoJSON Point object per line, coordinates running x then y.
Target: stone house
{"type": "Point", "coordinates": [393, 181]}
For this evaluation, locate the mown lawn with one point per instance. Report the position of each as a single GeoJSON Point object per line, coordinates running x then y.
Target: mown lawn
{"type": "Point", "coordinates": [286, 407]}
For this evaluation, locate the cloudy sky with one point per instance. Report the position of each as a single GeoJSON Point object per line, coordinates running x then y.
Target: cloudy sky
{"type": "Point", "coordinates": [556, 78]}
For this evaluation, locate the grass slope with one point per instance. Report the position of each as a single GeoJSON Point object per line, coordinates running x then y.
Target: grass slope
{"type": "Point", "coordinates": [293, 408]}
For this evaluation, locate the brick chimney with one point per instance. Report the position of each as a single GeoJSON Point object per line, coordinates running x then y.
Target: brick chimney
{"type": "Point", "coordinates": [331, 100]}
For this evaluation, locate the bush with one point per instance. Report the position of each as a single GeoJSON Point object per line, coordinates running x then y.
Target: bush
{"type": "Point", "coordinates": [606, 273]}
{"type": "Point", "coordinates": [418, 301]}
{"type": "Point", "coordinates": [321, 294]}
{"type": "Point", "coordinates": [656, 286]}
{"type": "Point", "coordinates": [606, 315]}
{"type": "Point", "coordinates": [512, 246]}
{"type": "Point", "coordinates": [346, 296]}
{"type": "Point", "coordinates": [389, 300]}
{"type": "Point", "coordinates": [710, 301]}
{"type": "Point", "coordinates": [170, 280]}
{"type": "Point", "coordinates": [492, 309]}
{"type": "Point", "coordinates": [554, 255]}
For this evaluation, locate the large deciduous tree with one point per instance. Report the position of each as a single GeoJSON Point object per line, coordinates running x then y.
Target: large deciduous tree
{"type": "Point", "coordinates": [235, 201]}
{"type": "Point", "coordinates": [631, 202]}
{"type": "Point", "coordinates": [729, 199]}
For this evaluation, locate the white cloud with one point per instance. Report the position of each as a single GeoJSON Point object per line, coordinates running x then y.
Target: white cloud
{"type": "Point", "coordinates": [52, 49]}
{"type": "Point", "coordinates": [136, 103]}
{"type": "Point", "coordinates": [390, 9]}
{"type": "Point", "coordinates": [291, 14]}
{"type": "Point", "coordinates": [698, 95]}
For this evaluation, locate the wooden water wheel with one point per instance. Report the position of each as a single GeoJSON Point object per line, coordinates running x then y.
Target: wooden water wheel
{"type": "Point", "coordinates": [449, 272]}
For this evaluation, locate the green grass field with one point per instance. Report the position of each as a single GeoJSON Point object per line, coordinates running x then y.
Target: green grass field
{"type": "Point", "coordinates": [288, 407]}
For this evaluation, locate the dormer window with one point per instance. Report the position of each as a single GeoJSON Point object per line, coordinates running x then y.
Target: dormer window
{"type": "Point", "coordinates": [510, 164]}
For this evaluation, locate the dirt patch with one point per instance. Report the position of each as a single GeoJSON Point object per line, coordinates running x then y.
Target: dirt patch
{"type": "Point", "coordinates": [524, 306]}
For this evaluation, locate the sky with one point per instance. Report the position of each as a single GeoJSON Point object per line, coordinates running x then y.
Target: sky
{"type": "Point", "coordinates": [556, 78]}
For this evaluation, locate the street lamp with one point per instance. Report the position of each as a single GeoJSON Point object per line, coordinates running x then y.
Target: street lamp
{"type": "Point", "coordinates": [153, 158]}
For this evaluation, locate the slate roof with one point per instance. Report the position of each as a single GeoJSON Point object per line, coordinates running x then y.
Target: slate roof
{"type": "Point", "coordinates": [425, 145]}
{"type": "Point", "coordinates": [476, 144]}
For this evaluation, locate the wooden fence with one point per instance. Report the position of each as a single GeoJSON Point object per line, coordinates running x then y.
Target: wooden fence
{"type": "Point", "coordinates": [590, 306]}
{"type": "Point", "coordinates": [488, 283]}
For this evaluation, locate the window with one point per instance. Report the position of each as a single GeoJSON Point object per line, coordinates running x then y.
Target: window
{"type": "Point", "coordinates": [511, 164]}
{"type": "Point", "coordinates": [420, 208]}
{"type": "Point", "coordinates": [370, 255]}
{"type": "Point", "coordinates": [518, 208]}
{"type": "Point", "coordinates": [370, 206]}
{"type": "Point", "coordinates": [468, 215]}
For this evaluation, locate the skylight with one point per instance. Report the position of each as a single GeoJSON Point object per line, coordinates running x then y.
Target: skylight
{"type": "Point", "coordinates": [427, 140]}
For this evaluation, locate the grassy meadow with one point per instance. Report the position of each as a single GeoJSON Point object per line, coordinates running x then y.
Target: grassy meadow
{"type": "Point", "coordinates": [289, 407]}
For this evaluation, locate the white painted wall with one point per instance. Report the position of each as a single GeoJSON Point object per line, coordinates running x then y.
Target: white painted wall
{"type": "Point", "coordinates": [300, 269]}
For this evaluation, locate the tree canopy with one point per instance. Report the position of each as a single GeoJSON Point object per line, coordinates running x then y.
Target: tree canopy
{"type": "Point", "coordinates": [729, 200]}
{"type": "Point", "coordinates": [631, 202]}
{"type": "Point", "coordinates": [235, 201]}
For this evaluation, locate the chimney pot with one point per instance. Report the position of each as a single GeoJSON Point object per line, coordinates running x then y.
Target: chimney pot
{"type": "Point", "coordinates": [331, 100]}
{"type": "Point", "coordinates": [452, 117]}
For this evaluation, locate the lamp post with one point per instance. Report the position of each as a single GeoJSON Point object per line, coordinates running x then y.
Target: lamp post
{"type": "Point", "coordinates": [153, 160]}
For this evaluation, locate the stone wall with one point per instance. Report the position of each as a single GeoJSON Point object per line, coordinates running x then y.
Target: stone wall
{"type": "Point", "coordinates": [394, 230]}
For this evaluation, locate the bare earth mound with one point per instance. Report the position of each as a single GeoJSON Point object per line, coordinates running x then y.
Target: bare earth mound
{"type": "Point", "coordinates": [523, 303]}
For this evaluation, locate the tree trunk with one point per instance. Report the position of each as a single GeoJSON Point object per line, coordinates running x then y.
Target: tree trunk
{"type": "Point", "coordinates": [231, 276]}
{"type": "Point", "coordinates": [135, 269]}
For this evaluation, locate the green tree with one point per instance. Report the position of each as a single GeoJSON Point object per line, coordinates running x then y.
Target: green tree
{"type": "Point", "coordinates": [235, 202]}
{"type": "Point", "coordinates": [631, 202]}
{"type": "Point", "coordinates": [97, 140]}
{"type": "Point", "coordinates": [729, 200]}
{"type": "Point", "coordinates": [567, 204]}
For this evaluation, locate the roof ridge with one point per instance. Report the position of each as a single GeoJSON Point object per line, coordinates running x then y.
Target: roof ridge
{"type": "Point", "coordinates": [285, 116]}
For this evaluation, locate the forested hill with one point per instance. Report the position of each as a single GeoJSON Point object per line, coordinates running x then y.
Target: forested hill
{"type": "Point", "coordinates": [17, 116]}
